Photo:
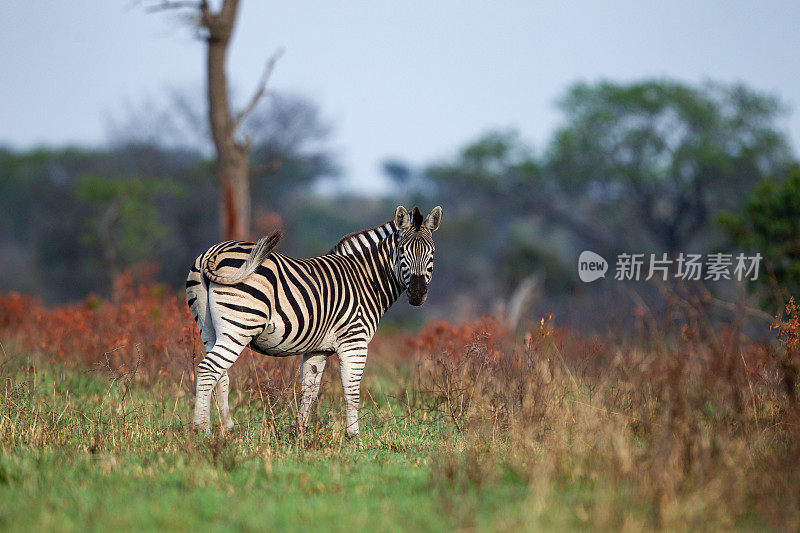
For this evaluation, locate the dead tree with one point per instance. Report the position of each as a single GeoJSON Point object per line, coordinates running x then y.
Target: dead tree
{"type": "Point", "coordinates": [233, 151]}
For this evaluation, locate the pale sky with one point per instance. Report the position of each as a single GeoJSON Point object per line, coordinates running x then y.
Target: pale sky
{"type": "Point", "coordinates": [413, 80]}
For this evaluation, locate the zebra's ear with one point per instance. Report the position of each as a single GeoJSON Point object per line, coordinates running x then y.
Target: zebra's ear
{"type": "Point", "coordinates": [434, 218]}
{"type": "Point", "coordinates": [401, 218]}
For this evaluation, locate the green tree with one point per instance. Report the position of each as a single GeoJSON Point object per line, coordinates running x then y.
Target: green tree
{"type": "Point", "coordinates": [126, 226]}
{"type": "Point", "coordinates": [769, 224]}
{"type": "Point", "coordinates": [655, 161]}
{"type": "Point", "coordinates": [489, 193]}
{"type": "Point", "coordinates": [636, 167]}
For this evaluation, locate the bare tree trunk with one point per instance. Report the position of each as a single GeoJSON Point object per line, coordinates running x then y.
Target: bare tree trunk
{"type": "Point", "coordinates": [233, 174]}
{"type": "Point", "coordinates": [233, 157]}
{"type": "Point", "coordinates": [234, 180]}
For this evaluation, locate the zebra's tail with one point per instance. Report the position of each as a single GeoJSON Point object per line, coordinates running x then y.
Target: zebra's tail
{"type": "Point", "coordinates": [258, 254]}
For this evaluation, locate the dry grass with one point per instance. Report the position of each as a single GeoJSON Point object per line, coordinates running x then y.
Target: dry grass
{"type": "Point", "coordinates": [675, 435]}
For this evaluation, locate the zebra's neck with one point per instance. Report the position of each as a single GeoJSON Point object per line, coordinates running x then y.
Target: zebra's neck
{"type": "Point", "coordinates": [374, 249]}
{"type": "Point", "coordinates": [361, 241]}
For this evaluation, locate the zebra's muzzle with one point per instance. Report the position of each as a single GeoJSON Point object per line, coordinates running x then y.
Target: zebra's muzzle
{"type": "Point", "coordinates": [417, 290]}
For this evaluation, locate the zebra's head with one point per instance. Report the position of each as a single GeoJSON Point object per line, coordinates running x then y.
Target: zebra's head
{"type": "Point", "coordinates": [414, 264]}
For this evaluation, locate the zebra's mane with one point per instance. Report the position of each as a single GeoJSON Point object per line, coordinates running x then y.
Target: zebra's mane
{"type": "Point", "coordinates": [360, 240]}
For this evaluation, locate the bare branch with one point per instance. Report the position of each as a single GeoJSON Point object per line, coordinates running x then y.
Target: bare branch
{"type": "Point", "coordinates": [262, 86]}
{"type": "Point", "coordinates": [166, 5]}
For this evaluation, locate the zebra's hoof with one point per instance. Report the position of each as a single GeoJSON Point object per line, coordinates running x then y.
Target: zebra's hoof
{"type": "Point", "coordinates": [202, 429]}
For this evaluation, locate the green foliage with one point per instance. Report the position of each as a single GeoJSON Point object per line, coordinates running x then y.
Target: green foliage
{"type": "Point", "coordinates": [770, 225]}
{"type": "Point", "coordinates": [666, 156]}
{"type": "Point", "coordinates": [126, 224]}
{"type": "Point", "coordinates": [642, 166]}
{"type": "Point", "coordinates": [489, 172]}
{"type": "Point", "coordinates": [485, 191]}
{"type": "Point", "coordinates": [64, 230]}
{"type": "Point", "coordinates": [49, 215]}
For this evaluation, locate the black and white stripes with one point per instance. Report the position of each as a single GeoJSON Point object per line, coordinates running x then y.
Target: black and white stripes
{"type": "Point", "coordinates": [244, 294]}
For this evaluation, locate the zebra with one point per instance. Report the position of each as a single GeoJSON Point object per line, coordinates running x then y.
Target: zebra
{"type": "Point", "coordinates": [245, 294]}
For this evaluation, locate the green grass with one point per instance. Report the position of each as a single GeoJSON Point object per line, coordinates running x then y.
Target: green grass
{"type": "Point", "coordinates": [80, 452]}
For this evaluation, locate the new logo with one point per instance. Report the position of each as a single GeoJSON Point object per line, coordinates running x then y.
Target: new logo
{"type": "Point", "coordinates": [591, 266]}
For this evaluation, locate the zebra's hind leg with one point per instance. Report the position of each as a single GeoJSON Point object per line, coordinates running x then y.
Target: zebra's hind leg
{"type": "Point", "coordinates": [221, 395]}
{"type": "Point", "coordinates": [211, 369]}
{"type": "Point", "coordinates": [313, 365]}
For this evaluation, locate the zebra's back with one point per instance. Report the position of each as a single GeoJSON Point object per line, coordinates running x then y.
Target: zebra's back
{"type": "Point", "coordinates": [287, 305]}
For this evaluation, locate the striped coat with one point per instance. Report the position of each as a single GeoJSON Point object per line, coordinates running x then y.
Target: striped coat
{"type": "Point", "coordinates": [244, 294]}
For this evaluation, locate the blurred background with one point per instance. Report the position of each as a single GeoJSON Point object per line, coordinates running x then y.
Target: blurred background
{"type": "Point", "coordinates": [542, 129]}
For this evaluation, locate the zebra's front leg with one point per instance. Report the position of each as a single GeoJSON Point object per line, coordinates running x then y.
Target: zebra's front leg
{"type": "Point", "coordinates": [313, 365]}
{"type": "Point", "coordinates": [352, 359]}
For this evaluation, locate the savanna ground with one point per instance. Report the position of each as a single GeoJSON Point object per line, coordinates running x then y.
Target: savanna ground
{"type": "Point", "coordinates": [463, 427]}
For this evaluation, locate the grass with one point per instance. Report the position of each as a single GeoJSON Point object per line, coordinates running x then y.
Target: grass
{"type": "Point", "coordinates": [81, 452]}
{"type": "Point", "coordinates": [478, 431]}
